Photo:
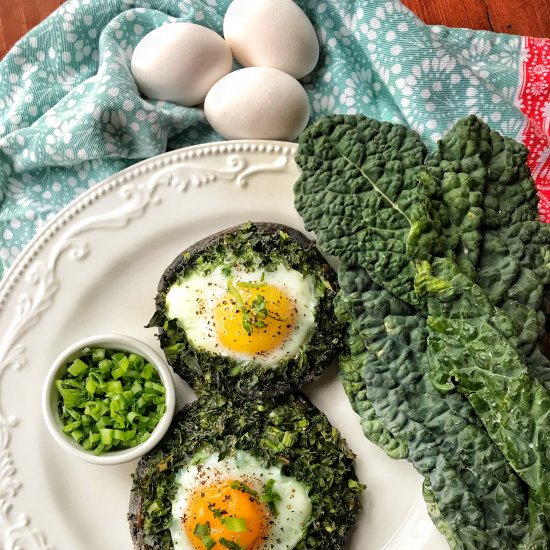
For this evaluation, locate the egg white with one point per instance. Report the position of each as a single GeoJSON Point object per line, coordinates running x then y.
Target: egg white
{"type": "Point", "coordinates": [193, 300]}
{"type": "Point", "coordinates": [294, 508]}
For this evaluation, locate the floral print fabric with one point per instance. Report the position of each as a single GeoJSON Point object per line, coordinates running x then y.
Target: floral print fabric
{"type": "Point", "coordinates": [71, 115]}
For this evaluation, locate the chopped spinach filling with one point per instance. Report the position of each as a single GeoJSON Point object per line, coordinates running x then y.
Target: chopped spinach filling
{"type": "Point", "coordinates": [315, 455]}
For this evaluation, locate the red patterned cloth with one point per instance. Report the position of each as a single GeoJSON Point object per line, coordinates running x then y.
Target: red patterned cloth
{"type": "Point", "coordinates": [534, 101]}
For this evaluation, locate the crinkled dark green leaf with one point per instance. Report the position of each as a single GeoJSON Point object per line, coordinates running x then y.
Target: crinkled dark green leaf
{"type": "Point", "coordinates": [476, 495]}
{"type": "Point", "coordinates": [471, 202]}
{"type": "Point", "coordinates": [356, 190]}
{"type": "Point", "coordinates": [469, 345]}
{"type": "Point", "coordinates": [514, 261]}
{"type": "Point", "coordinates": [351, 369]}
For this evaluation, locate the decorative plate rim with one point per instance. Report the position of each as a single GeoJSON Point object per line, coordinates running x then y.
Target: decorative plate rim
{"type": "Point", "coordinates": [52, 227]}
{"type": "Point", "coordinates": [17, 531]}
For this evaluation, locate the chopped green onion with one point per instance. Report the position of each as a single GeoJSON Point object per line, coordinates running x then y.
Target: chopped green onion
{"type": "Point", "coordinates": [78, 367]}
{"type": "Point", "coordinates": [106, 436]}
{"type": "Point", "coordinates": [202, 530]}
{"type": "Point", "coordinates": [242, 284]}
{"type": "Point", "coordinates": [235, 293]}
{"type": "Point", "coordinates": [174, 349]}
{"type": "Point", "coordinates": [90, 385]}
{"type": "Point", "coordinates": [113, 386]}
{"type": "Point", "coordinates": [237, 525]}
{"type": "Point", "coordinates": [105, 366]}
{"type": "Point", "coordinates": [99, 449]}
{"type": "Point", "coordinates": [153, 386]}
{"type": "Point", "coordinates": [147, 371]}
{"type": "Point", "coordinates": [98, 354]}
{"type": "Point", "coordinates": [77, 435]}
{"type": "Point", "coordinates": [247, 321]}
{"type": "Point", "coordinates": [288, 439]}
{"type": "Point", "coordinates": [71, 397]}
{"type": "Point", "coordinates": [271, 496]}
{"type": "Point", "coordinates": [74, 414]}
{"type": "Point", "coordinates": [230, 544]}
{"type": "Point", "coordinates": [72, 426]}
{"type": "Point", "coordinates": [153, 507]}
{"type": "Point", "coordinates": [243, 487]}
{"type": "Point", "coordinates": [110, 399]}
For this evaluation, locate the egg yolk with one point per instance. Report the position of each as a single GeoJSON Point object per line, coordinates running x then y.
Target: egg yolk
{"type": "Point", "coordinates": [256, 321]}
{"type": "Point", "coordinates": [212, 504]}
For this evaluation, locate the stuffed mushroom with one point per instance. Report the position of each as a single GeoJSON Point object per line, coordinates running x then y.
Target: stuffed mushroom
{"type": "Point", "coordinates": [249, 311]}
{"type": "Point", "coordinates": [248, 475]}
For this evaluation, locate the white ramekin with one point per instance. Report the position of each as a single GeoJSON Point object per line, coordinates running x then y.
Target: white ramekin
{"type": "Point", "coordinates": [50, 397]}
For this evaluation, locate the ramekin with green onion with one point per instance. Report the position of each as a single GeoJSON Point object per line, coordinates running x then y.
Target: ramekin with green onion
{"type": "Point", "coordinates": [108, 399]}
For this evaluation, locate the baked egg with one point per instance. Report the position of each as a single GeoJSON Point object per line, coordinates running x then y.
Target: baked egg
{"type": "Point", "coordinates": [263, 316]}
{"type": "Point", "coordinates": [237, 500]}
{"type": "Point", "coordinates": [249, 311]}
{"type": "Point", "coordinates": [246, 474]}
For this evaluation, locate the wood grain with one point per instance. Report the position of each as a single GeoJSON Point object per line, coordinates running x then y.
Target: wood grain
{"type": "Point", "coordinates": [528, 17]}
{"type": "Point", "coordinates": [470, 13]}
{"type": "Point", "coordinates": [531, 17]}
{"type": "Point", "coordinates": [19, 16]}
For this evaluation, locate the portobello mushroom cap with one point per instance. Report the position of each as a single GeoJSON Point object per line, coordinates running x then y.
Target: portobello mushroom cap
{"type": "Point", "coordinates": [262, 246]}
{"type": "Point", "coordinates": [315, 454]}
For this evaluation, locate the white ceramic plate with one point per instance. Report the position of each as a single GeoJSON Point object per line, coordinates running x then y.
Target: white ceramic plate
{"type": "Point", "coordinates": [94, 269]}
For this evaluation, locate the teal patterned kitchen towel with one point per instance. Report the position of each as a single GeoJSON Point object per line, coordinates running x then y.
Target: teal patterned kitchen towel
{"type": "Point", "coordinates": [71, 115]}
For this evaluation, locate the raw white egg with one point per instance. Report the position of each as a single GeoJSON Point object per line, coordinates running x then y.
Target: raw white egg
{"type": "Point", "coordinates": [257, 103]}
{"type": "Point", "coordinates": [207, 494]}
{"type": "Point", "coordinates": [180, 62]}
{"type": "Point", "coordinates": [271, 33]}
{"type": "Point", "coordinates": [208, 309]}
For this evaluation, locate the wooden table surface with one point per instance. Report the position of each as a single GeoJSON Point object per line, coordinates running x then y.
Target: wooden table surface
{"type": "Point", "coordinates": [530, 17]}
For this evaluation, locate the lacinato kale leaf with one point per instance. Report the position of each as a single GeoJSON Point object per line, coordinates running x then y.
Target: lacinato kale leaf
{"type": "Point", "coordinates": [514, 261]}
{"type": "Point", "coordinates": [475, 495]}
{"type": "Point", "coordinates": [470, 349]}
{"type": "Point", "coordinates": [471, 203]}
{"type": "Point", "coordinates": [351, 369]}
{"type": "Point", "coordinates": [498, 164]}
{"type": "Point", "coordinates": [356, 193]}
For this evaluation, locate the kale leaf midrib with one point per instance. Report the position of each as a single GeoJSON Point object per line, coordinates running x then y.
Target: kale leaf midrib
{"type": "Point", "coordinates": [394, 205]}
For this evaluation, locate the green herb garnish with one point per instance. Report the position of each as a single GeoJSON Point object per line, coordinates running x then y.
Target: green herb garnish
{"type": "Point", "coordinates": [259, 307]}
{"type": "Point", "coordinates": [235, 293]}
{"type": "Point", "coordinates": [237, 525]}
{"type": "Point", "coordinates": [230, 544]}
{"type": "Point", "coordinates": [110, 400]}
{"type": "Point", "coordinates": [218, 514]}
{"type": "Point", "coordinates": [270, 497]}
{"type": "Point", "coordinates": [242, 284]}
{"type": "Point", "coordinates": [243, 487]}
{"type": "Point", "coordinates": [255, 316]}
{"type": "Point", "coordinates": [202, 530]}
{"type": "Point", "coordinates": [247, 321]}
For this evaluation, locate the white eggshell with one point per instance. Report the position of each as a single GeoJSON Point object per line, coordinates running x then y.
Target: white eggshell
{"type": "Point", "coordinates": [271, 33]}
{"type": "Point", "coordinates": [257, 103]}
{"type": "Point", "coordinates": [180, 62]}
